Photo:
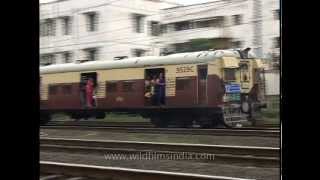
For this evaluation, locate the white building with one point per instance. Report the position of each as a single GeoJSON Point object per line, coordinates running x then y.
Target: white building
{"type": "Point", "coordinates": [73, 30]}
{"type": "Point", "coordinates": [271, 28]}
{"type": "Point", "coordinates": [235, 23]}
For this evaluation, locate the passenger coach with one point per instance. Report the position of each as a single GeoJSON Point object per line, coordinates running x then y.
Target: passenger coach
{"type": "Point", "coordinates": [208, 88]}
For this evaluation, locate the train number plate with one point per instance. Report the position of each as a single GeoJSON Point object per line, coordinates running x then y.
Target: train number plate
{"type": "Point", "coordinates": [185, 69]}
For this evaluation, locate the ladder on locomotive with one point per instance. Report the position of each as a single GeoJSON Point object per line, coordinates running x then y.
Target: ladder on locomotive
{"type": "Point", "coordinates": [233, 115]}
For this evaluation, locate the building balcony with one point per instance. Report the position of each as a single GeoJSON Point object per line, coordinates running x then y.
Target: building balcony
{"type": "Point", "coordinates": [186, 35]}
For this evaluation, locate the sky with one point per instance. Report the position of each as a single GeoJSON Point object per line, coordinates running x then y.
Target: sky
{"type": "Point", "coordinates": [185, 2]}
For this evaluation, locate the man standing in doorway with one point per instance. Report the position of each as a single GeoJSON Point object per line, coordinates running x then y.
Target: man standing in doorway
{"type": "Point", "coordinates": [161, 89]}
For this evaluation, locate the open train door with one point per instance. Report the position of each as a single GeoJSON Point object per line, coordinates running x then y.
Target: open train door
{"type": "Point", "coordinates": [202, 84]}
{"type": "Point", "coordinates": [150, 76]}
{"type": "Point", "coordinates": [83, 81]}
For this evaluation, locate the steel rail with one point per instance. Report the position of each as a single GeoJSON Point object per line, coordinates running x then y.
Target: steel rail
{"type": "Point", "coordinates": [101, 172]}
{"type": "Point", "coordinates": [220, 132]}
{"type": "Point", "coordinates": [257, 156]}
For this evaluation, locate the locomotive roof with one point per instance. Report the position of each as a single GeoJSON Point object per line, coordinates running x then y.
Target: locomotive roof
{"type": "Point", "coordinates": [180, 58]}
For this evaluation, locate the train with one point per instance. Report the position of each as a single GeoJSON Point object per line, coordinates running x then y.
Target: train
{"type": "Point", "coordinates": [214, 88]}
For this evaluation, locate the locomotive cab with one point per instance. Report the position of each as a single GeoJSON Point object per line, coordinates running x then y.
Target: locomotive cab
{"type": "Point", "coordinates": [244, 84]}
{"type": "Point", "coordinates": [232, 97]}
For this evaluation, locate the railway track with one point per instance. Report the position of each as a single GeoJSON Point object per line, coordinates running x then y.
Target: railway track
{"type": "Point", "coordinates": [254, 156]}
{"type": "Point", "coordinates": [95, 123]}
{"type": "Point", "coordinates": [51, 170]}
{"type": "Point", "coordinates": [221, 132]}
{"type": "Point", "coordinates": [100, 124]}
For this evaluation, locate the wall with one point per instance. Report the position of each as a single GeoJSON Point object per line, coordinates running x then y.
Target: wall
{"type": "Point", "coordinates": [115, 35]}
{"type": "Point", "coordinates": [272, 80]}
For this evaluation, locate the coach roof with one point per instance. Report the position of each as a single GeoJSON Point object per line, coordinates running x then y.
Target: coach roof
{"type": "Point", "coordinates": [180, 58]}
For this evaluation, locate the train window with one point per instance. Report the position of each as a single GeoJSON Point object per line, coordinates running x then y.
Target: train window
{"type": "Point", "coordinates": [53, 90]}
{"type": "Point", "coordinates": [244, 67]}
{"type": "Point", "coordinates": [230, 74]}
{"type": "Point", "coordinates": [183, 84]}
{"type": "Point", "coordinates": [203, 73]}
{"type": "Point", "coordinates": [111, 87]}
{"type": "Point", "coordinates": [67, 89]}
{"type": "Point", "coordinates": [127, 86]}
{"type": "Point", "coordinates": [244, 72]}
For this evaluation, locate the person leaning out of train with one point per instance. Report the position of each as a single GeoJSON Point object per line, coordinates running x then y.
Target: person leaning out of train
{"type": "Point", "coordinates": [147, 85]}
{"type": "Point", "coordinates": [89, 92]}
{"type": "Point", "coordinates": [160, 84]}
{"type": "Point", "coordinates": [154, 91]}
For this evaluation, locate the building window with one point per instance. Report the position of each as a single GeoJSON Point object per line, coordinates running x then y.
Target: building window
{"type": "Point", "coordinates": [180, 26]}
{"type": "Point", "coordinates": [237, 44]}
{"type": "Point", "coordinates": [92, 21]}
{"type": "Point", "coordinates": [47, 59]}
{"type": "Point", "coordinates": [48, 27]}
{"type": "Point", "coordinates": [276, 42]}
{"type": "Point", "coordinates": [127, 86]}
{"type": "Point", "coordinates": [67, 57]}
{"type": "Point", "coordinates": [51, 27]}
{"type": "Point", "coordinates": [230, 74]}
{"type": "Point", "coordinates": [217, 22]}
{"type": "Point", "coordinates": [91, 54]}
{"type": "Point", "coordinates": [182, 47]}
{"type": "Point", "coordinates": [138, 22]}
{"type": "Point", "coordinates": [237, 19]}
{"type": "Point", "coordinates": [276, 14]}
{"type": "Point", "coordinates": [202, 24]}
{"type": "Point", "coordinates": [138, 52]}
{"type": "Point", "coordinates": [166, 51]}
{"type": "Point", "coordinates": [183, 83]}
{"type": "Point", "coordinates": [66, 25]}
{"type": "Point", "coordinates": [164, 28]}
{"type": "Point", "coordinates": [154, 28]}
{"type": "Point", "coordinates": [111, 87]}
{"type": "Point", "coordinates": [213, 22]}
